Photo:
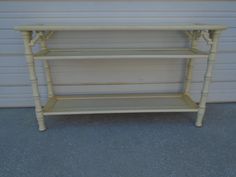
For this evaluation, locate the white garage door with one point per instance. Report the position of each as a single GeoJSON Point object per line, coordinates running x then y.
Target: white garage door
{"type": "Point", "coordinates": [105, 76]}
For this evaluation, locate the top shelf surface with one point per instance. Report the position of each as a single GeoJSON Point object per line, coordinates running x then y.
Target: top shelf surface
{"type": "Point", "coordinates": [68, 27]}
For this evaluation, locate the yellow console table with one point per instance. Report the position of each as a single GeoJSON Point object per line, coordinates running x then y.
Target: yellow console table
{"type": "Point", "coordinates": [119, 103]}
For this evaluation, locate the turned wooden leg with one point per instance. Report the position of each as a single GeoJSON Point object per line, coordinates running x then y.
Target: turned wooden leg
{"type": "Point", "coordinates": [41, 121]}
{"type": "Point", "coordinates": [207, 78]}
{"type": "Point", "coordinates": [48, 78]}
{"type": "Point", "coordinates": [47, 70]}
{"type": "Point", "coordinates": [31, 65]}
{"type": "Point", "coordinates": [189, 69]}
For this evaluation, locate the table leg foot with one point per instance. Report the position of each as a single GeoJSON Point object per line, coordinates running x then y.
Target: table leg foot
{"type": "Point", "coordinates": [41, 124]}
{"type": "Point", "coordinates": [198, 125]}
{"type": "Point", "coordinates": [200, 116]}
{"type": "Point", "coordinates": [42, 128]}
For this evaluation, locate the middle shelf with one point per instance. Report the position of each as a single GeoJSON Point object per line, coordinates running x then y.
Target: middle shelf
{"type": "Point", "coordinates": [57, 54]}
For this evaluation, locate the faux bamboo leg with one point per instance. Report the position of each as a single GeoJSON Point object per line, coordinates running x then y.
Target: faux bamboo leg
{"type": "Point", "coordinates": [48, 78]}
{"type": "Point", "coordinates": [207, 79]}
{"type": "Point", "coordinates": [47, 71]}
{"type": "Point", "coordinates": [189, 69]}
{"type": "Point", "coordinates": [33, 78]}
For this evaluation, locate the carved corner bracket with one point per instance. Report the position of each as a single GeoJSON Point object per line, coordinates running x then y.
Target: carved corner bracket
{"type": "Point", "coordinates": [40, 36]}
{"type": "Point", "coordinates": [196, 35]}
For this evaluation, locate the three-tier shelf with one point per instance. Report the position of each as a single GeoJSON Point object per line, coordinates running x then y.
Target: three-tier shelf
{"type": "Point", "coordinates": [119, 103]}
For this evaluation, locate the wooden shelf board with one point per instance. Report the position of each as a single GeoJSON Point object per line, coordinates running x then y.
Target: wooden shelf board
{"type": "Point", "coordinates": [84, 27]}
{"type": "Point", "coordinates": [55, 54]}
{"type": "Point", "coordinates": [119, 103]}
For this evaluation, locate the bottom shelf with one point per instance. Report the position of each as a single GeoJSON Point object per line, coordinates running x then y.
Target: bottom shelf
{"type": "Point", "coordinates": [119, 103]}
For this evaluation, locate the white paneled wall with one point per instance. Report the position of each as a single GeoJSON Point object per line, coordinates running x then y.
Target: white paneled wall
{"type": "Point", "coordinates": [156, 75]}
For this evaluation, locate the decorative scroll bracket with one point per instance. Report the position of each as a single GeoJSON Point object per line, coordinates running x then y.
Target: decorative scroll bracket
{"type": "Point", "coordinates": [206, 35]}
{"type": "Point", "coordinates": [196, 35]}
{"type": "Point", "coordinates": [44, 36]}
